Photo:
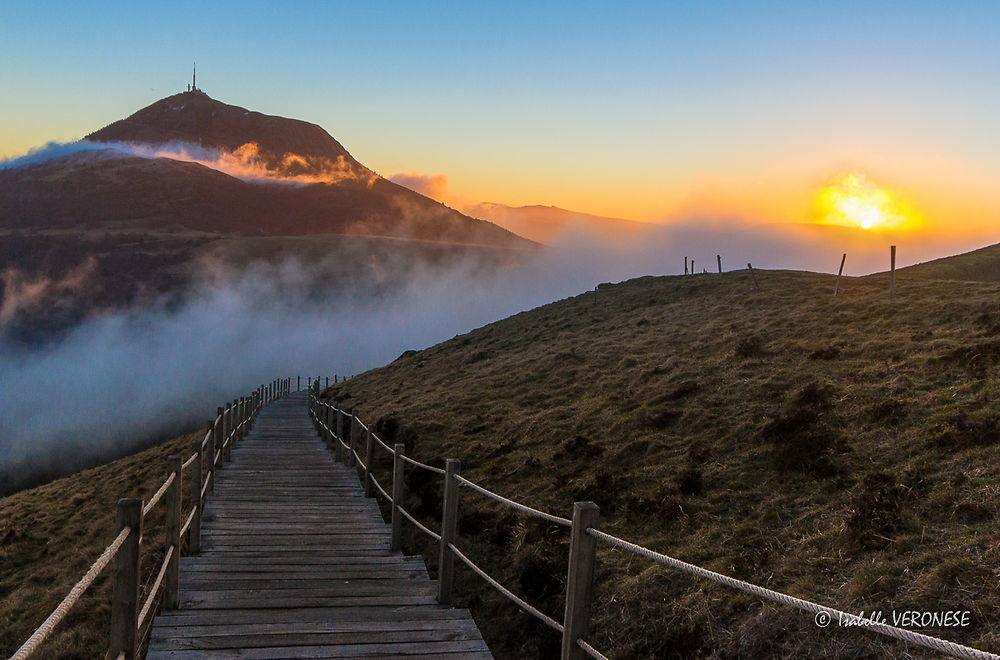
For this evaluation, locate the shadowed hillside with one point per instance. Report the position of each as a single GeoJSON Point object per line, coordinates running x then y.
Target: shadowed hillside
{"type": "Point", "coordinates": [843, 450]}
{"type": "Point", "coordinates": [981, 265]}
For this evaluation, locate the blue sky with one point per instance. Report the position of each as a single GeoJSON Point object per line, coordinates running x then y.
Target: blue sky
{"type": "Point", "coordinates": [633, 109]}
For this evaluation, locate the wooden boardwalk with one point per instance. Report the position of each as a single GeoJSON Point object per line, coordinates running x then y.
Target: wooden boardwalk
{"type": "Point", "coordinates": [295, 563]}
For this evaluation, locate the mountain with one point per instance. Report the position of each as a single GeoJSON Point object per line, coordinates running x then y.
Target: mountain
{"type": "Point", "coordinates": [546, 223]}
{"type": "Point", "coordinates": [191, 163]}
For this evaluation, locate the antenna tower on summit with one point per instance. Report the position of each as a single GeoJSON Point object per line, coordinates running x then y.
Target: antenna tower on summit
{"type": "Point", "coordinates": [194, 77]}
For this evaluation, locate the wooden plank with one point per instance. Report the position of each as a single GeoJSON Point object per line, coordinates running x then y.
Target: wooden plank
{"type": "Point", "coordinates": [295, 563]}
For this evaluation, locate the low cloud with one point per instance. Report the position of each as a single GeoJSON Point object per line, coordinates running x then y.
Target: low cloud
{"type": "Point", "coordinates": [434, 186]}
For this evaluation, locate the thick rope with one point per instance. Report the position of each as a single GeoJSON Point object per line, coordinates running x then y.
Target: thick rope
{"type": "Point", "coordinates": [590, 650]}
{"type": "Point", "coordinates": [187, 523]}
{"type": "Point", "coordinates": [422, 465]}
{"type": "Point", "coordinates": [154, 500]}
{"type": "Point", "coordinates": [516, 505]}
{"type": "Point", "coordinates": [71, 598]}
{"type": "Point", "coordinates": [425, 530]}
{"type": "Point", "coordinates": [547, 620]}
{"type": "Point", "coordinates": [384, 446]}
{"type": "Point", "coordinates": [155, 588]}
{"type": "Point", "coordinates": [939, 645]}
{"type": "Point", "coordinates": [379, 488]}
{"type": "Point", "coordinates": [186, 464]}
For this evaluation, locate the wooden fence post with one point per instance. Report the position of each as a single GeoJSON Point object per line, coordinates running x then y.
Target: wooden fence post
{"type": "Point", "coordinates": [840, 272]}
{"type": "Point", "coordinates": [328, 420]}
{"type": "Point", "coordinates": [338, 447]}
{"type": "Point", "coordinates": [197, 482]}
{"type": "Point", "coordinates": [298, 383]}
{"type": "Point", "coordinates": [685, 265]}
{"type": "Point", "coordinates": [369, 455]}
{"type": "Point", "coordinates": [171, 597]}
{"type": "Point", "coordinates": [351, 434]}
{"type": "Point", "coordinates": [892, 271]}
{"type": "Point", "coordinates": [756, 284]}
{"type": "Point", "coordinates": [210, 464]}
{"type": "Point", "coordinates": [580, 580]}
{"type": "Point", "coordinates": [125, 597]}
{"type": "Point", "coordinates": [449, 525]}
{"type": "Point", "coordinates": [397, 497]}
{"type": "Point", "coordinates": [227, 429]}
{"type": "Point", "coordinates": [718, 258]}
{"type": "Point", "coordinates": [219, 437]}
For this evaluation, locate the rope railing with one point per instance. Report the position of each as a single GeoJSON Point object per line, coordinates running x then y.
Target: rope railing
{"type": "Point", "coordinates": [939, 645]}
{"type": "Point", "coordinates": [584, 533]}
{"type": "Point", "coordinates": [515, 505]}
{"type": "Point", "coordinates": [157, 496]}
{"type": "Point", "coordinates": [71, 598]}
{"type": "Point", "coordinates": [419, 525]}
{"type": "Point", "coordinates": [511, 596]}
{"type": "Point", "coordinates": [423, 466]}
{"type": "Point", "coordinates": [231, 423]}
{"type": "Point", "coordinates": [155, 589]}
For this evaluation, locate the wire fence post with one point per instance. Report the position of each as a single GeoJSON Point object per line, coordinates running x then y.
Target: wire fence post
{"type": "Point", "coordinates": [125, 597]}
{"type": "Point", "coordinates": [580, 580]}
{"type": "Point", "coordinates": [197, 483]}
{"type": "Point", "coordinates": [227, 429]}
{"type": "Point", "coordinates": [328, 420]}
{"type": "Point", "coordinates": [892, 271]}
{"type": "Point", "coordinates": [369, 455]}
{"type": "Point", "coordinates": [340, 435]}
{"type": "Point", "coordinates": [298, 383]}
{"type": "Point", "coordinates": [171, 597]}
{"type": "Point", "coordinates": [449, 525]}
{"type": "Point", "coordinates": [397, 497]}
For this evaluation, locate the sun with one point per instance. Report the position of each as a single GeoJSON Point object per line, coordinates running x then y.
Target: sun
{"type": "Point", "coordinates": [854, 201]}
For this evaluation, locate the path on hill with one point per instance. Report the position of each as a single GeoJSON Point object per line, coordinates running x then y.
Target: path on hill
{"type": "Point", "coordinates": [295, 563]}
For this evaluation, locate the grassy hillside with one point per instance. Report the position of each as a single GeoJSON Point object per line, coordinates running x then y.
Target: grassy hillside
{"type": "Point", "coordinates": [844, 450]}
{"type": "Point", "coordinates": [49, 537]}
{"type": "Point", "coordinates": [982, 265]}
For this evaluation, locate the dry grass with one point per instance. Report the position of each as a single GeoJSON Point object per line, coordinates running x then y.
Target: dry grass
{"type": "Point", "coordinates": [49, 537]}
{"type": "Point", "coordinates": [845, 450]}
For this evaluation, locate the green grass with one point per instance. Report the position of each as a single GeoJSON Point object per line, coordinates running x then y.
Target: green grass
{"type": "Point", "coordinates": [844, 450]}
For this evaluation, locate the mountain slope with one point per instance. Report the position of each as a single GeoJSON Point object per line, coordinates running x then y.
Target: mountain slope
{"type": "Point", "coordinates": [546, 223]}
{"type": "Point", "coordinates": [843, 450]}
{"type": "Point", "coordinates": [225, 170]}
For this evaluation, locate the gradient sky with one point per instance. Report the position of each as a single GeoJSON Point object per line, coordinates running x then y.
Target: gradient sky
{"type": "Point", "coordinates": [648, 111]}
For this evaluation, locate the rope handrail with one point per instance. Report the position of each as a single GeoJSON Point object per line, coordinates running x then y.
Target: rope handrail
{"type": "Point", "coordinates": [187, 523]}
{"type": "Point", "coordinates": [940, 645]}
{"type": "Point", "coordinates": [204, 487]}
{"type": "Point", "coordinates": [379, 488]}
{"type": "Point", "coordinates": [590, 650]}
{"type": "Point", "coordinates": [154, 500]}
{"type": "Point", "coordinates": [71, 598]}
{"type": "Point", "coordinates": [186, 464]}
{"type": "Point", "coordinates": [155, 588]}
{"type": "Point", "coordinates": [384, 446]}
{"type": "Point", "coordinates": [359, 461]}
{"type": "Point", "coordinates": [421, 465]}
{"type": "Point", "coordinates": [420, 526]}
{"type": "Point", "coordinates": [524, 605]}
{"type": "Point", "coordinates": [360, 423]}
{"type": "Point", "coordinates": [516, 505]}
{"type": "Point", "coordinates": [204, 441]}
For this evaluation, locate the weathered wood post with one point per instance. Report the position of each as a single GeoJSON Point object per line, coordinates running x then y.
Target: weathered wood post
{"type": "Point", "coordinates": [338, 447]}
{"type": "Point", "coordinates": [685, 265]}
{"type": "Point", "coordinates": [892, 272]}
{"type": "Point", "coordinates": [756, 284]}
{"type": "Point", "coordinates": [197, 483]}
{"type": "Point", "coordinates": [718, 258]}
{"type": "Point", "coordinates": [310, 382]}
{"type": "Point", "coordinates": [836, 287]}
{"type": "Point", "coordinates": [449, 526]}
{"type": "Point", "coordinates": [396, 542]}
{"type": "Point", "coordinates": [580, 580]}
{"type": "Point", "coordinates": [298, 383]}
{"type": "Point", "coordinates": [210, 462]}
{"type": "Point", "coordinates": [369, 455]}
{"type": "Point", "coordinates": [692, 266]}
{"type": "Point", "coordinates": [220, 437]}
{"type": "Point", "coordinates": [351, 435]}
{"type": "Point", "coordinates": [125, 596]}
{"type": "Point", "coordinates": [328, 420]}
{"type": "Point", "coordinates": [171, 596]}
{"type": "Point", "coordinates": [328, 381]}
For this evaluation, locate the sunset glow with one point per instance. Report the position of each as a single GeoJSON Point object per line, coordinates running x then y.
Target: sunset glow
{"type": "Point", "coordinates": [854, 201]}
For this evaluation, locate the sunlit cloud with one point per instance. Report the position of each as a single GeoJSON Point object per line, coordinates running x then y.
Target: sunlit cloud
{"type": "Point", "coordinates": [434, 186]}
